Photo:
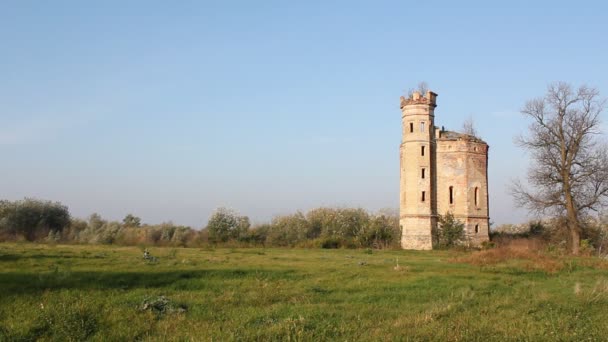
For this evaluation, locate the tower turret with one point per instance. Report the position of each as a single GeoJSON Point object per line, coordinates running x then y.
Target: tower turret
{"type": "Point", "coordinates": [418, 194]}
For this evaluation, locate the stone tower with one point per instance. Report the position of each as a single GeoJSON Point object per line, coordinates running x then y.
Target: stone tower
{"type": "Point", "coordinates": [441, 171]}
{"type": "Point", "coordinates": [417, 211]}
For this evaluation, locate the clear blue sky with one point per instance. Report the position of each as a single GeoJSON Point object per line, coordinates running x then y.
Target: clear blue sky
{"type": "Point", "coordinates": [169, 109]}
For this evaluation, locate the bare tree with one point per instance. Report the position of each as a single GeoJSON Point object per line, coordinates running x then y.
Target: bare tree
{"type": "Point", "coordinates": [422, 88]}
{"type": "Point", "coordinates": [468, 127]}
{"type": "Point", "coordinates": [569, 172]}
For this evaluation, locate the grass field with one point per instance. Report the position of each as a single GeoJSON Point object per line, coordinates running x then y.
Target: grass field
{"type": "Point", "coordinates": [100, 293]}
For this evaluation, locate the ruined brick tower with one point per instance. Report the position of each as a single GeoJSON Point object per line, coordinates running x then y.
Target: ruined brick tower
{"type": "Point", "coordinates": [441, 171]}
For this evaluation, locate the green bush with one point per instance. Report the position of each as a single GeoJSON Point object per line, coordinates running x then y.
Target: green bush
{"type": "Point", "coordinates": [449, 232]}
{"type": "Point", "coordinates": [225, 224]}
{"type": "Point", "coordinates": [32, 218]}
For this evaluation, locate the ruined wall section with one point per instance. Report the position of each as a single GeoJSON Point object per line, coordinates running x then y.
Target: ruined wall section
{"type": "Point", "coordinates": [462, 184]}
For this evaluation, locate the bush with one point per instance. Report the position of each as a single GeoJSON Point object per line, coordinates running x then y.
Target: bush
{"type": "Point", "coordinates": [449, 232]}
{"type": "Point", "coordinates": [288, 230]}
{"type": "Point", "coordinates": [225, 224]}
{"type": "Point", "coordinates": [32, 218]}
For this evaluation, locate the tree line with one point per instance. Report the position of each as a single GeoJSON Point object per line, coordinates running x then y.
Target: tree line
{"type": "Point", "coordinates": [39, 220]}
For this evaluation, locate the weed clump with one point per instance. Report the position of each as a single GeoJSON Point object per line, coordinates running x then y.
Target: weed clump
{"type": "Point", "coordinates": [161, 305]}
{"type": "Point", "coordinates": [62, 321]}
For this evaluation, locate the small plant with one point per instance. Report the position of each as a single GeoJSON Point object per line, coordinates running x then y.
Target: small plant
{"type": "Point", "coordinates": [149, 258]}
{"type": "Point", "coordinates": [64, 321]}
{"type": "Point", "coordinates": [485, 245]}
{"type": "Point", "coordinates": [368, 251]}
{"type": "Point", "coordinates": [161, 305]}
{"type": "Point", "coordinates": [586, 248]}
{"type": "Point", "coordinates": [398, 267]}
{"type": "Point", "coordinates": [597, 294]}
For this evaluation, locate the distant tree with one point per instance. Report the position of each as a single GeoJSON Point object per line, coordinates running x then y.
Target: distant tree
{"type": "Point", "coordinates": [422, 88]}
{"type": "Point", "coordinates": [288, 230]}
{"type": "Point", "coordinates": [95, 222]}
{"type": "Point", "coordinates": [449, 232]}
{"type": "Point", "coordinates": [33, 218]}
{"type": "Point", "coordinates": [131, 221]}
{"type": "Point", "coordinates": [378, 233]}
{"type": "Point", "coordinates": [225, 224]}
{"type": "Point", "coordinates": [569, 172]}
{"type": "Point", "coordinates": [468, 127]}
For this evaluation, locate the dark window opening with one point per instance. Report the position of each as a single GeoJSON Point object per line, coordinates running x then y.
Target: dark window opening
{"type": "Point", "coordinates": [451, 195]}
{"type": "Point", "coordinates": [476, 228]}
{"type": "Point", "coordinates": [423, 173]}
{"type": "Point", "coordinates": [476, 196]}
{"type": "Point", "coordinates": [423, 196]}
{"type": "Point", "coordinates": [411, 127]}
{"type": "Point", "coordinates": [422, 151]}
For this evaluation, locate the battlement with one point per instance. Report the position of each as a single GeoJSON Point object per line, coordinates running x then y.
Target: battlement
{"type": "Point", "coordinates": [417, 98]}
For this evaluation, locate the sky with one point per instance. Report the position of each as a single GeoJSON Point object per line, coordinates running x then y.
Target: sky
{"type": "Point", "coordinates": [170, 109]}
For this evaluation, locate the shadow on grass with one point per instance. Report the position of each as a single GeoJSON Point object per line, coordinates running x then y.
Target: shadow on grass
{"type": "Point", "coordinates": [16, 257]}
{"type": "Point", "coordinates": [15, 283]}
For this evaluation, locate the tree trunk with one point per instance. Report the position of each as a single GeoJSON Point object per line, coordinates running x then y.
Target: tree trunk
{"type": "Point", "coordinates": [575, 237]}
{"type": "Point", "coordinates": [572, 214]}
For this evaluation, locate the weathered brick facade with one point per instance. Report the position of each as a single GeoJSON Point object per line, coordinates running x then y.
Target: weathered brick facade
{"type": "Point", "coordinates": [441, 171]}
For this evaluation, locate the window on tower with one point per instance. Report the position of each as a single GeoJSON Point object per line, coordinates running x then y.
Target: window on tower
{"type": "Point", "coordinates": [423, 196]}
{"type": "Point", "coordinates": [476, 197]}
{"type": "Point", "coordinates": [422, 126]}
{"type": "Point", "coordinates": [476, 228]}
{"type": "Point", "coordinates": [422, 151]}
{"type": "Point", "coordinates": [451, 195]}
{"type": "Point", "coordinates": [423, 169]}
{"type": "Point", "coordinates": [411, 127]}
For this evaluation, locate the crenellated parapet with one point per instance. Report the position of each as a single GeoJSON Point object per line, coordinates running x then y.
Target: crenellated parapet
{"type": "Point", "coordinates": [417, 98]}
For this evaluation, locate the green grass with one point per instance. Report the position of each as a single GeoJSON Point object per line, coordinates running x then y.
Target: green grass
{"type": "Point", "coordinates": [96, 293]}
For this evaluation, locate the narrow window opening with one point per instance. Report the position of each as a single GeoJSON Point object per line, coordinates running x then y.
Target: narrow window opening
{"type": "Point", "coordinates": [476, 196]}
{"type": "Point", "coordinates": [423, 196]}
{"type": "Point", "coordinates": [422, 126]}
{"type": "Point", "coordinates": [422, 151]}
{"type": "Point", "coordinates": [423, 169]}
{"type": "Point", "coordinates": [411, 127]}
{"type": "Point", "coordinates": [451, 195]}
{"type": "Point", "coordinates": [476, 228]}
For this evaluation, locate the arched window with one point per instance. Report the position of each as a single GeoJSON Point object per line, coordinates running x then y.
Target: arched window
{"type": "Point", "coordinates": [451, 195]}
{"type": "Point", "coordinates": [476, 228]}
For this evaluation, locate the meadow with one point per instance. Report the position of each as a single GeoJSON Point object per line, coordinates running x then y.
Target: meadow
{"type": "Point", "coordinates": [108, 293]}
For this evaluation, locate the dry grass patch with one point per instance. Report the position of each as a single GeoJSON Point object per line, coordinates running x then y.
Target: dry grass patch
{"type": "Point", "coordinates": [527, 251]}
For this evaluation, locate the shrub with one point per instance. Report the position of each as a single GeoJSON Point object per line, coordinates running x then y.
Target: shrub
{"type": "Point", "coordinates": [449, 232]}
{"type": "Point", "coordinates": [225, 224]}
{"type": "Point", "coordinates": [131, 221]}
{"type": "Point", "coordinates": [288, 230]}
{"type": "Point", "coordinates": [32, 218]}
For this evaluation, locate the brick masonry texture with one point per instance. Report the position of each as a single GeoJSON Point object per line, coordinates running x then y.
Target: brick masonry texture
{"type": "Point", "coordinates": [441, 171]}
